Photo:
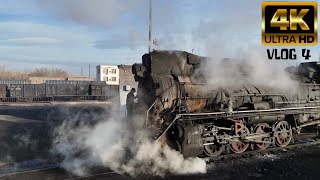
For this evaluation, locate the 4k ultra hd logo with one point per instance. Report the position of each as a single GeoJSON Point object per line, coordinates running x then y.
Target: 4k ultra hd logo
{"type": "Point", "coordinates": [289, 23]}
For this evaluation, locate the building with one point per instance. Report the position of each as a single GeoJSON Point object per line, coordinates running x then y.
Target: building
{"type": "Point", "coordinates": [118, 75]}
{"type": "Point", "coordinates": [108, 73]}
{"type": "Point", "coordinates": [126, 82]}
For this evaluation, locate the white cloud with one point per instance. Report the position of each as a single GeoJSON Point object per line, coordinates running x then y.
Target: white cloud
{"type": "Point", "coordinates": [67, 34]}
{"type": "Point", "coordinates": [96, 12]}
{"type": "Point", "coordinates": [18, 7]}
{"type": "Point", "coordinates": [210, 28]}
{"type": "Point", "coordinates": [31, 41]}
{"type": "Point", "coordinates": [71, 48]}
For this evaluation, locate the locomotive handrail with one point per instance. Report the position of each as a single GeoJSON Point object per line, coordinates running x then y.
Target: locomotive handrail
{"type": "Point", "coordinates": [149, 111]}
{"type": "Point", "coordinates": [155, 103]}
{"type": "Point", "coordinates": [278, 109]}
{"type": "Point", "coordinates": [168, 127]}
{"type": "Point", "coordinates": [241, 95]}
{"type": "Point", "coordinates": [298, 102]}
{"type": "Point", "coordinates": [250, 111]}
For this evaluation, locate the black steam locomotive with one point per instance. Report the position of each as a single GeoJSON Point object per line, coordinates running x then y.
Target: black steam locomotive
{"type": "Point", "coordinates": [184, 113]}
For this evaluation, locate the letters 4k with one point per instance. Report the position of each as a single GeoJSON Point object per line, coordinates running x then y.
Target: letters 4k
{"type": "Point", "coordinates": [289, 23]}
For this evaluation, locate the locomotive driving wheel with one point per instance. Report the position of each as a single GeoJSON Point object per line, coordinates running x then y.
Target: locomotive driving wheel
{"type": "Point", "coordinates": [282, 133]}
{"type": "Point", "coordinates": [261, 129]}
{"type": "Point", "coordinates": [240, 146]}
{"type": "Point", "coordinates": [213, 150]}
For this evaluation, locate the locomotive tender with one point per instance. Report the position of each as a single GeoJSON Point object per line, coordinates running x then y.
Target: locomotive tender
{"type": "Point", "coordinates": [183, 112]}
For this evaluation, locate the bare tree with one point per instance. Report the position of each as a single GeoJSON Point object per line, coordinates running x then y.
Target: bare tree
{"type": "Point", "coordinates": [6, 74]}
{"type": "Point", "coordinates": [46, 72]}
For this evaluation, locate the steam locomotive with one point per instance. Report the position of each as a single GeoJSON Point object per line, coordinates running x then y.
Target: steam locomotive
{"type": "Point", "coordinates": [184, 113]}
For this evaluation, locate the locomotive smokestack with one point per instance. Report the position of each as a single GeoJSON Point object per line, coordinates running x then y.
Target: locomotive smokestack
{"type": "Point", "coordinates": [150, 25]}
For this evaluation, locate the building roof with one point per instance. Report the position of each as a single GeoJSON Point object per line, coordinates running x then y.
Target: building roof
{"type": "Point", "coordinates": [125, 66]}
{"type": "Point", "coordinates": [105, 65]}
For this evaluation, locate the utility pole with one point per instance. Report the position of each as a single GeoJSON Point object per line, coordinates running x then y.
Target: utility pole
{"type": "Point", "coordinates": [89, 71]}
{"type": "Point", "coordinates": [150, 25]}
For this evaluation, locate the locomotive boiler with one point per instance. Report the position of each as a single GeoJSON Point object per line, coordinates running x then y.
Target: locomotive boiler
{"type": "Point", "coordinates": [182, 111]}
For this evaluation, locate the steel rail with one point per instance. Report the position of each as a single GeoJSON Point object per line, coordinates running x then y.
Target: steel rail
{"type": "Point", "coordinates": [274, 148]}
{"type": "Point", "coordinates": [208, 160]}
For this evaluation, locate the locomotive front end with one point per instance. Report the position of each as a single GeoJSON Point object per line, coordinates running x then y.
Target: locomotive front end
{"type": "Point", "coordinates": [166, 85]}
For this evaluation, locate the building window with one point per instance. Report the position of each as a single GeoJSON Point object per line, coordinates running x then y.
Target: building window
{"type": "Point", "coordinates": [113, 71]}
{"type": "Point", "coordinates": [105, 78]}
{"type": "Point", "coordinates": [113, 78]}
{"type": "Point", "coordinates": [105, 71]}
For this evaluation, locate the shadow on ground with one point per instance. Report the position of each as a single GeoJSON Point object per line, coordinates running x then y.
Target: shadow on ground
{"type": "Point", "coordinates": [26, 132]}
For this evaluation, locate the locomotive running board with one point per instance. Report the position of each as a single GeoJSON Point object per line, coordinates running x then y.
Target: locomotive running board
{"type": "Point", "coordinates": [251, 113]}
{"type": "Point", "coordinates": [241, 114]}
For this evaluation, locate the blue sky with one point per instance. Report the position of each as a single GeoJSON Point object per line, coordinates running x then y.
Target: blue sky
{"type": "Point", "coordinates": [71, 34]}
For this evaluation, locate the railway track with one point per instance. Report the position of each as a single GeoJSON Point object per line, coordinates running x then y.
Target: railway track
{"type": "Point", "coordinates": [93, 176]}
{"type": "Point", "coordinates": [57, 172]}
{"type": "Point", "coordinates": [54, 173]}
{"type": "Point", "coordinates": [297, 143]}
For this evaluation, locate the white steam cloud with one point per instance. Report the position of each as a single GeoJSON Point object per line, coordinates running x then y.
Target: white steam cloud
{"type": "Point", "coordinates": [235, 34]}
{"type": "Point", "coordinates": [254, 69]}
{"type": "Point", "coordinates": [112, 143]}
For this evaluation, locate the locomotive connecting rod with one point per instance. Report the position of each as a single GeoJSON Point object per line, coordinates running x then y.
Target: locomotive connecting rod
{"type": "Point", "coordinates": [249, 138]}
{"type": "Point", "coordinates": [254, 136]}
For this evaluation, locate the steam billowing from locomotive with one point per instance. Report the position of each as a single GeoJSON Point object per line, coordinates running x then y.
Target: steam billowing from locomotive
{"type": "Point", "coordinates": [225, 73]}
{"type": "Point", "coordinates": [113, 143]}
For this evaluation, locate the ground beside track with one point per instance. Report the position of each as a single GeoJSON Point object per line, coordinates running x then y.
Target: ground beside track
{"type": "Point", "coordinates": [24, 134]}
{"type": "Point", "coordinates": [296, 163]}
{"type": "Point", "coordinates": [26, 130]}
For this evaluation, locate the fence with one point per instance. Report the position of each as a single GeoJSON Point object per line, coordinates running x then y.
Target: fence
{"type": "Point", "coordinates": [49, 90]}
{"type": "Point", "coordinates": [74, 82]}
{"type": "Point", "coordinates": [33, 93]}
{"type": "Point", "coordinates": [9, 82]}
{"type": "Point", "coordinates": [53, 99]}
